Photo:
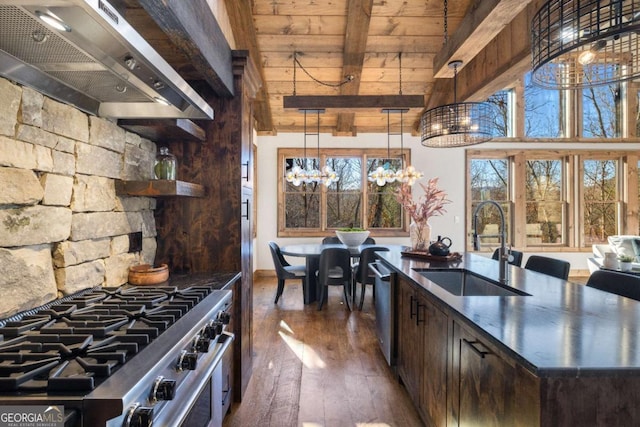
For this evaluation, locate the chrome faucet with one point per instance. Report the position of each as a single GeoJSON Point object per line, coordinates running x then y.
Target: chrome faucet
{"type": "Point", "coordinates": [504, 253]}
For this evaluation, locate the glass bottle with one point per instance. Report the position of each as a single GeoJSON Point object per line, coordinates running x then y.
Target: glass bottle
{"type": "Point", "coordinates": [166, 165]}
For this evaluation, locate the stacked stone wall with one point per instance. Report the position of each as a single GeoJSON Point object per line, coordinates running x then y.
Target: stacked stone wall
{"type": "Point", "coordinates": [62, 226]}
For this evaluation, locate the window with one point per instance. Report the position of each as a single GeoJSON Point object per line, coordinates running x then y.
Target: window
{"type": "Point", "coordinates": [544, 204]}
{"type": "Point", "coordinates": [539, 212]}
{"type": "Point", "coordinates": [600, 195]}
{"type": "Point", "coordinates": [311, 209]}
{"type": "Point", "coordinates": [601, 112]}
{"type": "Point", "coordinates": [502, 102]}
{"type": "Point", "coordinates": [490, 181]}
{"type": "Point", "coordinates": [542, 111]}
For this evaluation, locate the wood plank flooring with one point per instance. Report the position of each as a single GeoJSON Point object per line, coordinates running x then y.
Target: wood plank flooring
{"type": "Point", "coordinates": [318, 368]}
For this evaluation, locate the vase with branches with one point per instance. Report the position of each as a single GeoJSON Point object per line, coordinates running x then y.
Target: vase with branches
{"type": "Point", "coordinates": [429, 204]}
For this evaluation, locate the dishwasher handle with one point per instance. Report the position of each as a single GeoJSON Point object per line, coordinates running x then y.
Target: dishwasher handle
{"type": "Point", "coordinates": [381, 273]}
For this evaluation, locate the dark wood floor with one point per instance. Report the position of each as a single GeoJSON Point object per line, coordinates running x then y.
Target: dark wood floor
{"type": "Point", "coordinates": [318, 368]}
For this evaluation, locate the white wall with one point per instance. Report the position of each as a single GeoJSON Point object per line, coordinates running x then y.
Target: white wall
{"type": "Point", "coordinates": [448, 164]}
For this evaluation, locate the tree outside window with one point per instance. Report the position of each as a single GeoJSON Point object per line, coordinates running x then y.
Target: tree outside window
{"type": "Point", "coordinates": [600, 195]}
{"type": "Point", "coordinates": [502, 120]}
{"type": "Point", "coordinates": [542, 111]}
{"type": "Point", "coordinates": [601, 111]}
{"type": "Point", "coordinates": [544, 202]}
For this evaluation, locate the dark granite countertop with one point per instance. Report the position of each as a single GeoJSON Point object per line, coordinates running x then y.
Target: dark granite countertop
{"type": "Point", "coordinates": [561, 329]}
{"type": "Point", "coordinates": [216, 280]}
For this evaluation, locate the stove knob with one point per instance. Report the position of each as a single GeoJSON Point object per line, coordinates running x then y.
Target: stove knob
{"type": "Point", "coordinates": [139, 416]}
{"type": "Point", "coordinates": [187, 360]}
{"type": "Point", "coordinates": [163, 389]}
{"type": "Point", "coordinates": [224, 317]}
{"type": "Point", "coordinates": [201, 343]}
{"type": "Point", "coordinates": [213, 329]}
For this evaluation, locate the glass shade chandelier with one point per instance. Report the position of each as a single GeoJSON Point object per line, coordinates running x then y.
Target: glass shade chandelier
{"type": "Point", "coordinates": [585, 43]}
{"type": "Point", "coordinates": [386, 174]}
{"type": "Point", "coordinates": [309, 175]}
{"type": "Point", "coordinates": [383, 175]}
{"type": "Point", "coordinates": [458, 124]}
{"type": "Point", "coordinates": [408, 175]}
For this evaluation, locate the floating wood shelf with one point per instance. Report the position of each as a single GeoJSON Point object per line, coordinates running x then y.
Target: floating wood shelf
{"type": "Point", "coordinates": [159, 188]}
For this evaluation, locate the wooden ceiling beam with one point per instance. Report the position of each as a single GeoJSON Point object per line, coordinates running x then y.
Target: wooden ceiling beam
{"type": "Point", "coordinates": [484, 21]}
{"type": "Point", "coordinates": [244, 33]}
{"type": "Point", "coordinates": [355, 43]}
{"type": "Point", "coordinates": [351, 102]}
{"type": "Point", "coordinates": [193, 29]}
{"type": "Point", "coordinates": [503, 61]}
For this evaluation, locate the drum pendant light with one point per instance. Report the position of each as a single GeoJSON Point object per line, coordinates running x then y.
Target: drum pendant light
{"type": "Point", "coordinates": [585, 43]}
{"type": "Point", "coordinates": [458, 124]}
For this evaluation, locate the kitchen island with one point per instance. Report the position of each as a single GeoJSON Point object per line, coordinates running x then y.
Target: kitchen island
{"type": "Point", "coordinates": [559, 354]}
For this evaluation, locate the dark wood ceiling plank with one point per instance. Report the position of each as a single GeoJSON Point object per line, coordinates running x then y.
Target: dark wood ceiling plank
{"type": "Point", "coordinates": [191, 26]}
{"type": "Point", "coordinates": [484, 21]}
{"type": "Point", "coordinates": [355, 43]}
{"type": "Point", "coordinates": [240, 18]}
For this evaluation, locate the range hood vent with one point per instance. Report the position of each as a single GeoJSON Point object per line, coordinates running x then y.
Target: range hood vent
{"type": "Point", "coordinates": [97, 61]}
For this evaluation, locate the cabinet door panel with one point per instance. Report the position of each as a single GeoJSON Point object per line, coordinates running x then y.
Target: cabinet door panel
{"type": "Point", "coordinates": [410, 343]}
{"type": "Point", "coordinates": [485, 385]}
{"type": "Point", "coordinates": [434, 382]}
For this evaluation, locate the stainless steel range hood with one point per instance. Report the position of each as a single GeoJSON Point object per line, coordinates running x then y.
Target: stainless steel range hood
{"type": "Point", "coordinates": [96, 61]}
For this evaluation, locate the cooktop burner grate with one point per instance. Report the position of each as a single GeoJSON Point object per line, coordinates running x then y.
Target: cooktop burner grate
{"type": "Point", "coordinates": [75, 344]}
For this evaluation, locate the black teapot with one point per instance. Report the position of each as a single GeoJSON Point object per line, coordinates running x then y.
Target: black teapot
{"type": "Point", "coordinates": [440, 247]}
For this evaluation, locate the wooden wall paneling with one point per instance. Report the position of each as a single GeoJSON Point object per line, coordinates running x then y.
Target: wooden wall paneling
{"type": "Point", "coordinates": [209, 234]}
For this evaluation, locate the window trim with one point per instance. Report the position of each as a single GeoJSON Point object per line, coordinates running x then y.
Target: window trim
{"type": "Point", "coordinates": [364, 154]}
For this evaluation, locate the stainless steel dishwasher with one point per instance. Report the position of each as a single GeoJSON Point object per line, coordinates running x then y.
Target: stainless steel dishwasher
{"type": "Point", "coordinates": [385, 307]}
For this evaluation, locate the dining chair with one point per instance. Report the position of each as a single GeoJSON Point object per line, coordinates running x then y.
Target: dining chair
{"type": "Point", "coordinates": [285, 271]}
{"type": "Point", "coordinates": [551, 266]}
{"type": "Point", "coordinates": [615, 282]}
{"type": "Point", "coordinates": [369, 241]}
{"type": "Point", "coordinates": [361, 273]}
{"type": "Point", "coordinates": [517, 257]}
{"type": "Point", "coordinates": [334, 269]}
{"type": "Point", "coordinates": [332, 240]}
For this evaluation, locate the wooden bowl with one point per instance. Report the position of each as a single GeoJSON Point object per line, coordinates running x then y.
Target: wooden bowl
{"type": "Point", "coordinates": [145, 274]}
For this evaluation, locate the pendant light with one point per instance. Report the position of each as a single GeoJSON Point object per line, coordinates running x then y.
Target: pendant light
{"type": "Point", "coordinates": [585, 43]}
{"type": "Point", "coordinates": [385, 174]}
{"type": "Point", "coordinates": [457, 124]}
{"type": "Point", "coordinates": [408, 175]}
{"type": "Point", "coordinates": [297, 175]}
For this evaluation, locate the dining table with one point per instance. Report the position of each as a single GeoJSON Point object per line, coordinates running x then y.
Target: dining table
{"type": "Point", "coordinates": [311, 253]}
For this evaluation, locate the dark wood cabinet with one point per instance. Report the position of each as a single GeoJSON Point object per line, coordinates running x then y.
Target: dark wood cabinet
{"type": "Point", "coordinates": [422, 352]}
{"type": "Point", "coordinates": [410, 338]}
{"type": "Point", "coordinates": [454, 376]}
{"type": "Point", "coordinates": [483, 383]}
{"type": "Point", "coordinates": [435, 364]}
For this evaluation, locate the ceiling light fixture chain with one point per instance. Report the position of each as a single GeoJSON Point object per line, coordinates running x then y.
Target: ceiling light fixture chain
{"type": "Point", "coordinates": [296, 61]}
{"type": "Point", "coordinates": [445, 24]}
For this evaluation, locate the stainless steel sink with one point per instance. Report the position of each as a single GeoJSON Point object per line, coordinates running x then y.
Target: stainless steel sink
{"type": "Point", "coordinates": [466, 283]}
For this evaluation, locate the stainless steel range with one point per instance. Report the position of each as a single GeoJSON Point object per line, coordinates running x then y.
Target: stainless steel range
{"type": "Point", "coordinates": [131, 356]}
